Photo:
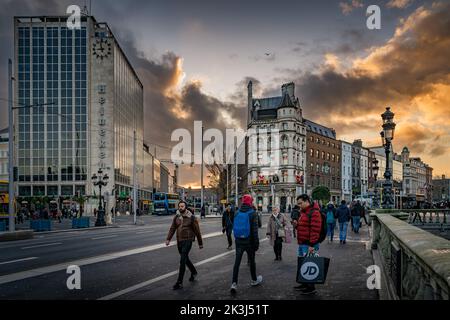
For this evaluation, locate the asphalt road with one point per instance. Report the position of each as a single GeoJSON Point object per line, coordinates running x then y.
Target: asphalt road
{"type": "Point", "coordinates": [132, 262]}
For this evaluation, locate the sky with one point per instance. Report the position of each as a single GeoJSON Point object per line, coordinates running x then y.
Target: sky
{"type": "Point", "coordinates": [195, 59]}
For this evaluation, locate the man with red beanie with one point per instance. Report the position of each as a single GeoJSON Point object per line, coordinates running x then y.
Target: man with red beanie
{"type": "Point", "coordinates": [245, 229]}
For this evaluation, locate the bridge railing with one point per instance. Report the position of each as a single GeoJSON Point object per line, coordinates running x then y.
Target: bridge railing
{"type": "Point", "coordinates": [415, 263]}
{"type": "Point", "coordinates": [428, 218]}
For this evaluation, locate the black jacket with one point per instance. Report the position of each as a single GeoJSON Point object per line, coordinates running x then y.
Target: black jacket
{"type": "Point", "coordinates": [295, 213]}
{"type": "Point", "coordinates": [227, 218]}
{"type": "Point", "coordinates": [253, 240]}
{"type": "Point", "coordinates": [343, 213]}
{"type": "Point", "coordinates": [357, 210]}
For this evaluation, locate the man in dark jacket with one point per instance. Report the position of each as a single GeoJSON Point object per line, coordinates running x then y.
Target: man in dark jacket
{"type": "Point", "coordinates": [356, 216]}
{"type": "Point", "coordinates": [343, 215]}
{"type": "Point", "coordinates": [185, 224]}
{"type": "Point", "coordinates": [227, 224]}
{"type": "Point", "coordinates": [295, 214]}
{"type": "Point", "coordinates": [308, 232]}
{"type": "Point", "coordinates": [248, 244]}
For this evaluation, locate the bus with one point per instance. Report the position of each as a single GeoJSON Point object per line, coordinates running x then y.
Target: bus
{"type": "Point", "coordinates": [4, 199]}
{"type": "Point", "coordinates": [165, 203]}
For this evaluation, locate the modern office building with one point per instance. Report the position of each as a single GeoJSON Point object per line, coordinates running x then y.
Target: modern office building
{"type": "Point", "coordinates": [95, 105]}
{"type": "Point", "coordinates": [4, 141]}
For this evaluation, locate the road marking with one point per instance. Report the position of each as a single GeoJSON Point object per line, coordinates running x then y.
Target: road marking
{"type": "Point", "coordinates": [162, 277]}
{"type": "Point", "coordinates": [18, 260]}
{"type": "Point", "coordinates": [82, 262]}
{"type": "Point", "coordinates": [42, 245]}
{"type": "Point", "coordinates": [105, 237]}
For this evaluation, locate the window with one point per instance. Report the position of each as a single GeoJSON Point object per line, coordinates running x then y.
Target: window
{"type": "Point", "coordinates": [332, 157]}
{"type": "Point", "coordinates": [285, 125]}
{"type": "Point", "coordinates": [323, 155]}
{"type": "Point", "coordinates": [311, 152]}
{"type": "Point", "coordinates": [317, 168]}
{"type": "Point", "coordinates": [328, 156]}
{"type": "Point", "coordinates": [317, 154]}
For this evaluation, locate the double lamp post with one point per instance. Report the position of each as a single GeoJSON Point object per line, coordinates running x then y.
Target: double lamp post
{"type": "Point", "coordinates": [100, 180]}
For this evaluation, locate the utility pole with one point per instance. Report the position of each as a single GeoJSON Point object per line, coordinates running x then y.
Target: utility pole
{"type": "Point", "coordinates": [228, 173]}
{"type": "Point", "coordinates": [236, 200]}
{"type": "Point", "coordinates": [12, 224]}
{"type": "Point", "coordinates": [201, 177]}
{"type": "Point", "coordinates": [135, 199]}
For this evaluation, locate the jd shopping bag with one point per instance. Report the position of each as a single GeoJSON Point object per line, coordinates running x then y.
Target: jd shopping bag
{"type": "Point", "coordinates": [312, 269]}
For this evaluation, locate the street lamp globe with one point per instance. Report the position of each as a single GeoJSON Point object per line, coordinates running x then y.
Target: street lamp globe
{"type": "Point", "coordinates": [388, 124]}
{"type": "Point", "coordinates": [94, 178]}
{"type": "Point", "coordinates": [375, 168]}
{"type": "Point", "coordinates": [383, 141]}
{"type": "Point", "coordinates": [105, 179]}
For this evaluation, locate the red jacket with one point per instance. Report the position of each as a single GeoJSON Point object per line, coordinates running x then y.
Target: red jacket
{"type": "Point", "coordinates": [308, 232]}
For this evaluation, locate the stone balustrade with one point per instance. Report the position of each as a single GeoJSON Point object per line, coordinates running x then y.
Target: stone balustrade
{"type": "Point", "coordinates": [415, 263]}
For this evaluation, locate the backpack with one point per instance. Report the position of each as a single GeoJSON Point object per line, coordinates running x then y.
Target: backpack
{"type": "Point", "coordinates": [323, 226]}
{"type": "Point", "coordinates": [330, 216]}
{"type": "Point", "coordinates": [241, 226]}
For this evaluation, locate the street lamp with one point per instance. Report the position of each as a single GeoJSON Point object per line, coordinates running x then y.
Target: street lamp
{"type": "Point", "coordinates": [375, 169]}
{"type": "Point", "coordinates": [387, 135]}
{"type": "Point", "coordinates": [100, 180]}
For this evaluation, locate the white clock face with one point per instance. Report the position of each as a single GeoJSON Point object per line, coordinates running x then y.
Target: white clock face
{"type": "Point", "coordinates": [102, 48]}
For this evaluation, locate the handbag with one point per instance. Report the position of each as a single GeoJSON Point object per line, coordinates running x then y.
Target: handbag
{"type": "Point", "coordinates": [288, 238]}
{"type": "Point", "coordinates": [312, 269]}
{"type": "Point", "coordinates": [280, 228]}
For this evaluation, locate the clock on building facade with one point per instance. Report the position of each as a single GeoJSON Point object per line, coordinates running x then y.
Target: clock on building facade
{"type": "Point", "coordinates": [102, 48]}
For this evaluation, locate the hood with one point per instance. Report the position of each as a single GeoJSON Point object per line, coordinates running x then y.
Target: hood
{"type": "Point", "coordinates": [330, 206]}
{"type": "Point", "coordinates": [245, 208]}
{"type": "Point", "coordinates": [343, 206]}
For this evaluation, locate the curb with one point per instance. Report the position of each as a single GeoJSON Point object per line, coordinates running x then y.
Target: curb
{"type": "Point", "coordinates": [16, 235]}
{"type": "Point", "coordinates": [76, 229]}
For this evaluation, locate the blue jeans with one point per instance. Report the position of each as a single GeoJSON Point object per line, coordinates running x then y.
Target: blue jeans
{"type": "Point", "coordinates": [356, 221]}
{"type": "Point", "coordinates": [343, 230]}
{"type": "Point", "coordinates": [330, 230]}
{"type": "Point", "coordinates": [303, 249]}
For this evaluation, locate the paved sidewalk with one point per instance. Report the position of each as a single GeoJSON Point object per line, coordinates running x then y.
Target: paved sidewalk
{"type": "Point", "coordinates": [346, 279]}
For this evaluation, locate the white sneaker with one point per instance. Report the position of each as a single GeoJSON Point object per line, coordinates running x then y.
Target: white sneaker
{"type": "Point", "coordinates": [233, 287]}
{"type": "Point", "coordinates": [257, 282]}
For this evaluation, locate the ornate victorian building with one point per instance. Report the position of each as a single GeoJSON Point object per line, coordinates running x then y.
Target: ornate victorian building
{"type": "Point", "coordinates": [279, 180]}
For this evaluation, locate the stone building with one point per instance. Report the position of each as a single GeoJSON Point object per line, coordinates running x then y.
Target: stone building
{"type": "Point", "coordinates": [323, 159]}
{"type": "Point", "coordinates": [441, 189]}
{"type": "Point", "coordinates": [278, 181]}
{"type": "Point", "coordinates": [417, 177]}
{"type": "Point", "coordinates": [346, 170]}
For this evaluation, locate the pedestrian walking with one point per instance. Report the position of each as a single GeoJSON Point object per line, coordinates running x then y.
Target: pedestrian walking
{"type": "Point", "coordinates": [187, 228]}
{"type": "Point", "coordinates": [295, 214]}
{"type": "Point", "coordinates": [308, 228]}
{"type": "Point", "coordinates": [331, 221]}
{"type": "Point", "coordinates": [276, 231]}
{"type": "Point", "coordinates": [363, 213]}
{"type": "Point", "coordinates": [356, 216]}
{"type": "Point", "coordinates": [343, 216]}
{"type": "Point", "coordinates": [227, 224]}
{"type": "Point", "coordinates": [203, 212]}
{"type": "Point", "coordinates": [245, 229]}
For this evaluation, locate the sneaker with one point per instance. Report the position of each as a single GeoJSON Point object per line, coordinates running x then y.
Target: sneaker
{"type": "Point", "coordinates": [340, 241]}
{"type": "Point", "coordinates": [343, 241]}
{"type": "Point", "coordinates": [308, 290]}
{"type": "Point", "coordinates": [192, 278]}
{"type": "Point", "coordinates": [233, 288]}
{"type": "Point", "coordinates": [177, 286]}
{"type": "Point", "coordinates": [276, 259]}
{"type": "Point", "coordinates": [229, 248]}
{"type": "Point", "coordinates": [279, 258]}
{"type": "Point", "coordinates": [257, 282]}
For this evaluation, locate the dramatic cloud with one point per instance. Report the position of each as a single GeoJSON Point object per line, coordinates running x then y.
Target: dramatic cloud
{"type": "Point", "coordinates": [399, 4]}
{"type": "Point", "coordinates": [410, 73]}
{"type": "Point", "coordinates": [348, 7]}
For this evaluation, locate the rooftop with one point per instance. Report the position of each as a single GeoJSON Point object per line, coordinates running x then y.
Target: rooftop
{"type": "Point", "coordinates": [319, 129]}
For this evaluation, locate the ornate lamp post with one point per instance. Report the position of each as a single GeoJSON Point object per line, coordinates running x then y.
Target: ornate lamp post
{"type": "Point", "coordinates": [375, 169]}
{"type": "Point", "coordinates": [387, 135]}
{"type": "Point", "coordinates": [100, 180]}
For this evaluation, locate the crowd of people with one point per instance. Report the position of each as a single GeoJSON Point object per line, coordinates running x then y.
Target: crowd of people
{"type": "Point", "coordinates": [306, 224]}
{"type": "Point", "coordinates": [44, 212]}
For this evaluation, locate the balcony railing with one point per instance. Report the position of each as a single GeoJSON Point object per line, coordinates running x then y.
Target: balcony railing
{"type": "Point", "coordinates": [423, 218]}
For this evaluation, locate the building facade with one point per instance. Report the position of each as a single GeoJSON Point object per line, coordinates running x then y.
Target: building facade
{"type": "Point", "coordinates": [323, 159]}
{"type": "Point", "coordinates": [95, 105]}
{"type": "Point", "coordinates": [417, 177]}
{"type": "Point", "coordinates": [277, 182]}
{"type": "Point", "coordinates": [4, 141]}
{"type": "Point", "coordinates": [346, 170]}
{"type": "Point", "coordinates": [441, 189]}
{"type": "Point", "coordinates": [361, 164]}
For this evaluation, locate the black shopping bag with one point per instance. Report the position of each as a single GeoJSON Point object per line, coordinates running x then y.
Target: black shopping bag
{"type": "Point", "coordinates": [312, 269]}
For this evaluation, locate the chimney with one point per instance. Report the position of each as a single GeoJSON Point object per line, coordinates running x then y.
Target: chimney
{"type": "Point", "coordinates": [443, 176]}
{"type": "Point", "coordinates": [249, 101]}
{"type": "Point", "coordinates": [290, 88]}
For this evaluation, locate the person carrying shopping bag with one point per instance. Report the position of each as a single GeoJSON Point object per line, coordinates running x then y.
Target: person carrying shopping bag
{"type": "Point", "coordinates": [276, 231]}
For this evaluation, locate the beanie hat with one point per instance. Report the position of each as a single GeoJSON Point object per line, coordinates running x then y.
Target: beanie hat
{"type": "Point", "coordinates": [247, 200]}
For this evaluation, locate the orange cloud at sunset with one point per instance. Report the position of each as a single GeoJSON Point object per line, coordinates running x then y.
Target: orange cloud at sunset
{"type": "Point", "coordinates": [410, 73]}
